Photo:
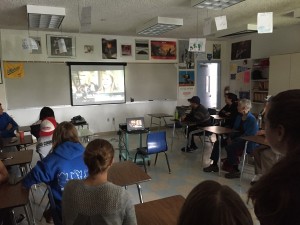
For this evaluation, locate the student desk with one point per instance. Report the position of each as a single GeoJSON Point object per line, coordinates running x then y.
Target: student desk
{"type": "Point", "coordinates": [218, 131]}
{"type": "Point", "coordinates": [8, 142]}
{"type": "Point", "coordinates": [24, 128]}
{"type": "Point", "coordinates": [160, 117]}
{"type": "Point", "coordinates": [163, 211]}
{"type": "Point", "coordinates": [127, 173]}
{"type": "Point", "coordinates": [217, 118]}
{"type": "Point", "coordinates": [18, 158]}
{"type": "Point", "coordinates": [14, 195]}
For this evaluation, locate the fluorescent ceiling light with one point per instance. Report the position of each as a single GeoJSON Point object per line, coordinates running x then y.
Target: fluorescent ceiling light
{"type": "Point", "coordinates": [45, 16]}
{"type": "Point", "coordinates": [214, 4]}
{"type": "Point", "coordinates": [241, 30]}
{"type": "Point", "coordinates": [159, 25]}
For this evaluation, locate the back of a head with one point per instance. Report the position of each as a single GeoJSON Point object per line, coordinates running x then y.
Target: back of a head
{"type": "Point", "coordinates": [64, 131]}
{"type": "Point", "coordinates": [232, 96]}
{"type": "Point", "coordinates": [211, 203]}
{"type": "Point", "coordinates": [284, 109]}
{"type": "Point", "coordinates": [98, 156]}
{"type": "Point", "coordinates": [276, 196]}
{"type": "Point", "coordinates": [46, 112]}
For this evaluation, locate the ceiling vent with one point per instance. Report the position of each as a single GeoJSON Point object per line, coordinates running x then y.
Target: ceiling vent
{"type": "Point", "coordinates": [45, 17]}
{"type": "Point", "coordinates": [242, 30]}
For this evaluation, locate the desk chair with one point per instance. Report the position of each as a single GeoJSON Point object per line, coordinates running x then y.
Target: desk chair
{"type": "Point", "coordinates": [243, 160]}
{"type": "Point", "coordinates": [156, 143]}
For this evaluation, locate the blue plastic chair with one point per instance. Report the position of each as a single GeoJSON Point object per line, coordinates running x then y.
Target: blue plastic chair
{"type": "Point", "coordinates": [156, 143]}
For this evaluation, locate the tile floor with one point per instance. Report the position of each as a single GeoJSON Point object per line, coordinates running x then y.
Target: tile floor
{"type": "Point", "coordinates": [186, 173]}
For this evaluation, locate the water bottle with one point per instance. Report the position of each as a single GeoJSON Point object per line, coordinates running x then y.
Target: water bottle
{"type": "Point", "coordinates": [259, 121]}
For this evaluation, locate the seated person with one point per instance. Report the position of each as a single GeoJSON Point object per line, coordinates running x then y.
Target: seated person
{"type": "Point", "coordinates": [198, 115]}
{"type": "Point", "coordinates": [44, 113]}
{"type": "Point", "coordinates": [211, 203]}
{"type": "Point", "coordinates": [246, 124]}
{"type": "Point", "coordinates": [94, 200]}
{"type": "Point", "coordinates": [64, 163]}
{"type": "Point", "coordinates": [44, 142]}
{"type": "Point", "coordinates": [7, 124]}
{"type": "Point", "coordinates": [264, 157]}
{"type": "Point", "coordinates": [229, 111]}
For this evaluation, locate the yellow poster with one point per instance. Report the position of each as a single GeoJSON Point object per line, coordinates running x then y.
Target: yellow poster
{"type": "Point", "coordinates": [13, 70]}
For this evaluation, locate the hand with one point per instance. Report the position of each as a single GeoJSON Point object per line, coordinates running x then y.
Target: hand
{"type": "Point", "coordinates": [9, 126]}
{"type": "Point", "coordinates": [261, 132]}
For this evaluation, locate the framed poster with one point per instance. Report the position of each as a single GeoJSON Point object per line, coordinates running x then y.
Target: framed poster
{"type": "Point", "coordinates": [39, 46]}
{"type": "Point", "coordinates": [141, 49]}
{"type": "Point", "coordinates": [163, 49]}
{"type": "Point", "coordinates": [186, 78]}
{"type": "Point", "coordinates": [60, 46]}
{"type": "Point", "coordinates": [241, 50]}
{"type": "Point", "coordinates": [126, 50]}
{"type": "Point", "coordinates": [109, 48]}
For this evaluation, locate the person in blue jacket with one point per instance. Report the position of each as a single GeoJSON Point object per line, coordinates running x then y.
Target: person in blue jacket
{"type": "Point", "coordinates": [7, 124]}
{"type": "Point", "coordinates": [246, 125]}
{"type": "Point", "coordinates": [64, 163]}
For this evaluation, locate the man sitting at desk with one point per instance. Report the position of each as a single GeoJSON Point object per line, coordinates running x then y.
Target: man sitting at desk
{"type": "Point", "coordinates": [7, 124]}
{"type": "Point", "coordinates": [199, 117]}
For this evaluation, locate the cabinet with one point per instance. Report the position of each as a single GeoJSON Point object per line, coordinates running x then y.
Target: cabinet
{"type": "Point", "coordinates": [284, 72]}
{"type": "Point", "coordinates": [259, 80]}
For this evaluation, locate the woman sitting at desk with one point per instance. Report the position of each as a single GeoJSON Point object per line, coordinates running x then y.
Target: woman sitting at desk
{"type": "Point", "coordinates": [94, 200]}
{"type": "Point", "coordinates": [229, 111]}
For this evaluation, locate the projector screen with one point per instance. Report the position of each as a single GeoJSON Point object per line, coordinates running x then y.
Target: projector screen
{"type": "Point", "coordinates": [97, 84]}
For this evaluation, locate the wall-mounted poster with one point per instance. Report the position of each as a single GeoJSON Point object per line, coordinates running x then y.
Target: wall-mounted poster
{"type": "Point", "coordinates": [163, 49]}
{"type": "Point", "coordinates": [141, 49]}
{"type": "Point", "coordinates": [186, 78]}
{"type": "Point", "coordinates": [241, 50]}
{"type": "Point", "coordinates": [126, 50]}
{"type": "Point", "coordinates": [60, 46]}
{"type": "Point", "coordinates": [89, 49]}
{"type": "Point", "coordinates": [186, 58]}
{"type": "Point", "coordinates": [38, 44]}
{"type": "Point", "coordinates": [109, 48]}
{"type": "Point", "coordinates": [216, 51]}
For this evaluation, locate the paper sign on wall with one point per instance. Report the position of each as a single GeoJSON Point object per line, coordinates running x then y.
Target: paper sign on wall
{"type": "Point", "coordinates": [197, 44]}
{"type": "Point", "coordinates": [221, 22]}
{"type": "Point", "coordinates": [265, 22]}
{"type": "Point", "coordinates": [62, 45]}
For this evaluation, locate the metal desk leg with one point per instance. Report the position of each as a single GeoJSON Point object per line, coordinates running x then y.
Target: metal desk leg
{"type": "Point", "coordinates": [186, 136]}
{"type": "Point", "coordinates": [203, 146]}
{"type": "Point", "coordinates": [140, 192]}
{"type": "Point", "coordinates": [173, 134]}
{"type": "Point", "coordinates": [220, 149]}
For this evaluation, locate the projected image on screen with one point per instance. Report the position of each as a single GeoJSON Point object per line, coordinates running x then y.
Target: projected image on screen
{"type": "Point", "coordinates": [97, 84]}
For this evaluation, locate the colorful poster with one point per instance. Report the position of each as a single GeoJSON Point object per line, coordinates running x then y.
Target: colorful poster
{"type": "Point", "coordinates": [13, 70]}
{"type": "Point", "coordinates": [186, 78]}
{"type": "Point", "coordinates": [186, 92]}
{"type": "Point", "coordinates": [163, 49]}
{"type": "Point", "coordinates": [247, 77]}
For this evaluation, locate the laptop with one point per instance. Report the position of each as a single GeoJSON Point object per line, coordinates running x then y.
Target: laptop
{"type": "Point", "coordinates": [135, 124]}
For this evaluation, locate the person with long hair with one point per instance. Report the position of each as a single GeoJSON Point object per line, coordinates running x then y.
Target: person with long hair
{"type": "Point", "coordinates": [211, 203]}
{"type": "Point", "coordinates": [94, 200]}
{"type": "Point", "coordinates": [276, 196]}
{"type": "Point", "coordinates": [64, 163]}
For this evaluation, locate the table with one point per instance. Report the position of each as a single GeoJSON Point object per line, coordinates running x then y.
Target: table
{"type": "Point", "coordinates": [127, 173]}
{"type": "Point", "coordinates": [24, 128]}
{"type": "Point", "coordinates": [124, 141]}
{"type": "Point", "coordinates": [18, 158]}
{"type": "Point", "coordinates": [218, 130]}
{"type": "Point", "coordinates": [259, 139]}
{"type": "Point", "coordinates": [163, 211]}
{"type": "Point", "coordinates": [12, 196]}
{"type": "Point", "coordinates": [218, 118]}
{"type": "Point", "coordinates": [160, 116]}
{"type": "Point", "coordinates": [27, 140]}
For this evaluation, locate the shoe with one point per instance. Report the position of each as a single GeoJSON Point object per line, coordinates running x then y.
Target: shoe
{"type": "Point", "coordinates": [187, 149]}
{"type": "Point", "coordinates": [194, 147]}
{"type": "Point", "coordinates": [20, 218]}
{"type": "Point", "coordinates": [211, 168]}
{"type": "Point", "coordinates": [234, 174]}
{"type": "Point", "coordinates": [47, 215]}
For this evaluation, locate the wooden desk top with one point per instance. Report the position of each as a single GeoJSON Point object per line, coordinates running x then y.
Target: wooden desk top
{"type": "Point", "coordinates": [26, 141]}
{"type": "Point", "coordinates": [217, 117]}
{"type": "Point", "coordinates": [126, 173]}
{"type": "Point", "coordinates": [218, 129]}
{"type": "Point", "coordinates": [259, 139]}
{"type": "Point", "coordinates": [24, 128]}
{"type": "Point", "coordinates": [13, 195]}
{"type": "Point", "coordinates": [18, 158]}
{"type": "Point", "coordinates": [163, 211]}
{"type": "Point", "coordinates": [159, 115]}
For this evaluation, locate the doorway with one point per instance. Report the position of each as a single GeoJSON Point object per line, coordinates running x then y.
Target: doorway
{"type": "Point", "coordinates": [208, 83]}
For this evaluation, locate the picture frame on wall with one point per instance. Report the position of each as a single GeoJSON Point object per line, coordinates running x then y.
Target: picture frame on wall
{"type": "Point", "coordinates": [163, 50]}
{"type": "Point", "coordinates": [39, 45]}
{"type": "Point", "coordinates": [126, 50]}
{"type": "Point", "coordinates": [60, 46]}
{"type": "Point", "coordinates": [241, 50]}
